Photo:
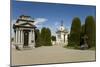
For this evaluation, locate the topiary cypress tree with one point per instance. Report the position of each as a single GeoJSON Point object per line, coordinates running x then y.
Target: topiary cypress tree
{"type": "Point", "coordinates": [90, 30]}
{"type": "Point", "coordinates": [74, 36]}
{"type": "Point", "coordinates": [48, 37]}
{"type": "Point", "coordinates": [43, 36]}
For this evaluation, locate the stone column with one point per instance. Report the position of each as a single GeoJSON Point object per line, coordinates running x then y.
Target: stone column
{"type": "Point", "coordinates": [34, 37]}
{"type": "Point", "coordinates": [32, 34]}
{"type": "Point", "coordinates": [66, 38]}
{"type": "Point", "coordinates": [30, 37]}
{"type": "Point", "coordinates": [16, 36]}
{"type": "Point", "coordinates": [21, 36]}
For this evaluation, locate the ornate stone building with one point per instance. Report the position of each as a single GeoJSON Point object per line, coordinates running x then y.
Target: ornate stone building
{"type": "Point", "coordinates": [62, 35]}
{"type": "Point", "coordinates": [24, 35]}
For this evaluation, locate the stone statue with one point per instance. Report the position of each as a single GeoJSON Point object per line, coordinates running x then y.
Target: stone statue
{"type": "Point", "coordinates": [84, 44]}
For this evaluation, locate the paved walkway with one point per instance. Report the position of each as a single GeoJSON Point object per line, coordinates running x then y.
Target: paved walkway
{"type": "Point", "coordinates": [51, 54]}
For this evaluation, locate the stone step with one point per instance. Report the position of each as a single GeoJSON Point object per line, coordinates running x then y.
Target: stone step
{"type": "Point", "coordinates": [27, 48]}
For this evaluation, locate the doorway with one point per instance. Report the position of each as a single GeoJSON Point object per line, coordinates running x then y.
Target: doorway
{"type": "Point", "coordinates": [26, 38]}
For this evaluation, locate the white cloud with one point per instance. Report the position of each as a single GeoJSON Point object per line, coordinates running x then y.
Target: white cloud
{"type": "Point", "coordinates": [40, 21]}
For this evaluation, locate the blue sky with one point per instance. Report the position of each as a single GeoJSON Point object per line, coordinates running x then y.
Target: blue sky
{"type": "Point", "coordinates": [51, 15]}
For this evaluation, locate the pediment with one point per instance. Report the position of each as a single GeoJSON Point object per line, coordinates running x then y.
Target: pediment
{"type": "Point", "coordinates": [27, 24]}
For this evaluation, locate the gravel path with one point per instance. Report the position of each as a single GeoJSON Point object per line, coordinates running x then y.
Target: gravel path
{"type": "Point", "coordinates": [51, 54]}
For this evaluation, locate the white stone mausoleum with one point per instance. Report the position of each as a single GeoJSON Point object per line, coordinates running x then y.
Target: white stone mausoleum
{"type": "Point", "coordinates": [24, 32]}
{"type": "Point", "coordinates": [62, 35]}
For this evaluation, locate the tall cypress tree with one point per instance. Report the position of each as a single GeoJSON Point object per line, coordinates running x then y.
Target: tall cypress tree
{"type": "Point", "coordinates": [90, 30]}
{"type": "Point", "coordinates": [48, 37]}
{"type": "Point", "coordinates": [74, 36]}
{"type": "Point", "coordinates": [43, 36]}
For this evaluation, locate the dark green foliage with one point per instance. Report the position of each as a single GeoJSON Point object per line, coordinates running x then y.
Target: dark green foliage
{"type": "Point", "coordinates": [83, 30]}
{"type": "Point", "coordinates": [82, 34]}
{"type": "Point", "coordinates": [90, 31]}
{"type": "Point", "coordinates": [43, 36]}
{"type": "Point", "coordinates": [78, 32]}
{"type": "Point", "coordinates": [37, 38]}
{"type": "Point", "coordinates": [46, 37]}
{"type": "Point", "coordinates": [74, 36]}
{"type": "Point", "coordinates": [53, 38]}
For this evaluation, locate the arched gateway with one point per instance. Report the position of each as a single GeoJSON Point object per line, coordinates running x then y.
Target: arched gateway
{"type": "Point", "coordinates": [24, 32]}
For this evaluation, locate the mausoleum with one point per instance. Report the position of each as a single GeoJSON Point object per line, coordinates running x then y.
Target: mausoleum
{"type": "Point", "coordinates": [62, 35]}
{"type": "Point", "coordinates": [24, 32]}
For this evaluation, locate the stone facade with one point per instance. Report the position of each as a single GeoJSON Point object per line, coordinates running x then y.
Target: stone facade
{"type": "Point", "coordinates": [24, 35]}
{"type": "Point", "coordinates": [62, 35]}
